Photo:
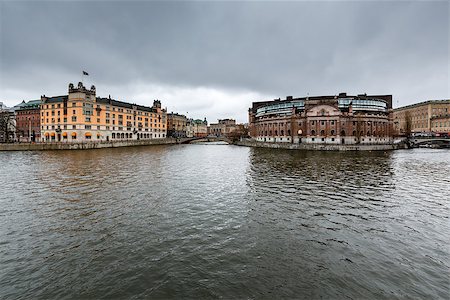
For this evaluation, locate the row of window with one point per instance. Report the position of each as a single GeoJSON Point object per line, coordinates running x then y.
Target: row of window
{"type": "Point", "coordinates": [53, 127]}
{"type": "Point", "coordinates": [322, 133]}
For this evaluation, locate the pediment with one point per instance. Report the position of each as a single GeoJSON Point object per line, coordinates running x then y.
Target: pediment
{"type": "Point", "coordinates": [323, 110]}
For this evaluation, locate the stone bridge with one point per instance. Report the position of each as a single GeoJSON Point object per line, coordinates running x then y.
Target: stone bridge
{"type": "Point", "coordinates": [209, 139]}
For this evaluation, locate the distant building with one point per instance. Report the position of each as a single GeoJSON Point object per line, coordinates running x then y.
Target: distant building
{"type": "Point", "coordinates": [199, 128]}
{"type": "Point", "coordinates": [223, 127]}
{"type": "Point", "coordinates": [340, 119]}
{"type": "Point", "coordinates": [28, 125]}
{"type": "Point", "coordinates": [425, 117]}
{"type": "Point", "coordinates": [176, 125]}
{"type": "Point", "coordinates": [81, 116]}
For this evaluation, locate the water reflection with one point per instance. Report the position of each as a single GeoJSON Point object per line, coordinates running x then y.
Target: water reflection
{"type": "Point", "coordinates": [209, 221]}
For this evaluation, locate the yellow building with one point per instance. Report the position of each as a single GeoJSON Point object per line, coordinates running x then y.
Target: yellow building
{"type": "Point", "coordinates": [81, 116]}
{"type": "Point", "coordinates": [424, 117]}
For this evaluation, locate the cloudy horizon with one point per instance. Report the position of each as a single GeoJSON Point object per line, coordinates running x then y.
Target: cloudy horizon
{"type": "Point", "coordinates": [213, 59]}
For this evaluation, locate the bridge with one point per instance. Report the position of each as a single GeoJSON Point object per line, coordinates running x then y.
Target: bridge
{"type": "Point", "coordinates": [209, 139]}
{"type": "Point", "coordinates": [439, 142]}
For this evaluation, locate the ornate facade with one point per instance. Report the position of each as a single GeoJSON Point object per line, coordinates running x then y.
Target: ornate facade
{"type": "Point", "coordinates": [342, 119]}
{"type": "Point", "coordinates": [81, 116]}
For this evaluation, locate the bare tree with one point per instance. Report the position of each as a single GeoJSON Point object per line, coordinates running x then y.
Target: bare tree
{"type": "Point", "coordinates": [408, 123]}
{"type": "Point", "coordinates": [7, 128]}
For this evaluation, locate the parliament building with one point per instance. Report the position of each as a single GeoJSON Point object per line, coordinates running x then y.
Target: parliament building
{"type": "Point", "coordinates": [340, 119]}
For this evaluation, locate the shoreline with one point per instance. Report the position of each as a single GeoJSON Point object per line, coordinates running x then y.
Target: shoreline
{"type": "Point", "coordinates": [88, 145]}
{"type": "Point", "coordinates": [320, 147]}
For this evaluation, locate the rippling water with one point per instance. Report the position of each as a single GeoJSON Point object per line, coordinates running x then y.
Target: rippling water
{"type": "Point", "coordinates": [219, 221]}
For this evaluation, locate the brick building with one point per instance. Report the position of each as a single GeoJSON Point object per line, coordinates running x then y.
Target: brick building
{"type": "Point", "coordinates": [28, 121]}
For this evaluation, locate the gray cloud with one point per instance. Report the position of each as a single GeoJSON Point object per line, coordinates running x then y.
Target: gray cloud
{"type": "Point", "coordinates": [190, 49]}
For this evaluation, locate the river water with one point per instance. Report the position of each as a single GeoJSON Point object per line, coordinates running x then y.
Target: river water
{"type": "Point", "coordinates": [220, 221]}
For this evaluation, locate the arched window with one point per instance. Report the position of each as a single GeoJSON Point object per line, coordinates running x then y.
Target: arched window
{"type": "Point", "coordinates": [332, 132]}
{"type": "Point", "coordinates": [343, 132]}
{"type": "Point", "coordinates": [276, 132]}
{"type": "Point", "coordinates": [313, 132]}
{"type": "Point", "coordinates": [354, 132]}
{"type": "Point", "coordinates": [322, 132]}
{"type": "Point", "coordinates": [368, 133]}
{"type": "Point", "coordinates": [123, 135]}
{"type": "Point", "coordinates": [289, 132]}
{"type": "Point", "coordinates": [113, 135]}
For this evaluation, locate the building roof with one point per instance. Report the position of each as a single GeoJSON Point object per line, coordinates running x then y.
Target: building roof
{"type": "Point", "coordinates": [311, 99]}
{"type": "Point", "coordinates": [56, 99]}
{"type": "Point", "coordinates": [124, 104]}
{"type": "Point", "coordinates": [32, 104]}
{"type": "Point", "coordinates": [443, 101]}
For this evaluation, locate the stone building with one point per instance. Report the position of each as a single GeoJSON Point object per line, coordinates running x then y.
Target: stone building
{"type": "Point", "coordinates": [176, 125]}
{"type": "Point", "coordinates": [431, 116]}
{"type": "Point", "coordinates": [199, 128]}
{"type": "Point", "coordinates": [341, 119]}
{"type": "Point", "coordinates": [28, 121]}
{"type": "Point", "coordinates": [81, 116]}
{"type": "Point", "coordinates": [223, 128]}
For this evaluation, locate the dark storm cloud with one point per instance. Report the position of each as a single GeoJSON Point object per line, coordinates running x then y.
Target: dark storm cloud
{"type": "Point", "coordinates": [268, 48]}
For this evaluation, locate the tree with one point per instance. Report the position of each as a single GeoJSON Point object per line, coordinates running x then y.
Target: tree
{"type": "Point", "coordinates": [408, 124]}
{"type": "Point", "coordinates": [6, 127]}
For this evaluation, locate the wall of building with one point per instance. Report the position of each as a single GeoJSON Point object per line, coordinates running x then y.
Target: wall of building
{"type": "Point", "coordinates": [418, 118]}
{"type": "Point", "coordinates": [81, 116]}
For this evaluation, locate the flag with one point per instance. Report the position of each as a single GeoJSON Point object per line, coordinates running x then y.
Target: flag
{"type": "Point", "coordinates": [85, 73]}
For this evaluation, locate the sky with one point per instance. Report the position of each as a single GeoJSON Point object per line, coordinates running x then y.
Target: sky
{"type": "Point", "coordinates": [214, 58]}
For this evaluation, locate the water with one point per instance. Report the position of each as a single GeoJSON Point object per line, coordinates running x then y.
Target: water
{"type": "Point", "coordinates": [219, 221]}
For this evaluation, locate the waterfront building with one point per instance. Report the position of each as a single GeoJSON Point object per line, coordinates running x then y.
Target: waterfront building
{"type": "Point", "coordinates": [340, 119]}
{"type": "Point", "coordinates": [28, 121]}
{"type": "Point", "coordinates": [200, 128]}
{"type": "Point", "coordinates": [176, 125]}
{"type": "Point", "coordinates": [424, 117]}
{"type": "Point", "coordinates": [81, 116]}
{"type": "Point", "coordinates": [223, 128]}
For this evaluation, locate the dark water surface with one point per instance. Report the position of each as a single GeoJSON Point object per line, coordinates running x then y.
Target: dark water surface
{"type": "Point", "coordinates": [219, 221]}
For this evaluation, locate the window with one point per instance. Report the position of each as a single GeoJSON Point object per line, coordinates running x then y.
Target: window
{"type": "Point", "coordinates": [88, 119]}
{"type": "Point", "coordinates": [98, 120]}
{"type": "Point", "coordinates": [74, 118]}
{"type": "Point", "coordinates": [87, 127]}
{"type": "Point", "coordinates": [74, 112]}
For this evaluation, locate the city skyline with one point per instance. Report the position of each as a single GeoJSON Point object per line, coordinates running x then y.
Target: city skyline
{"type": "Point", "coordinates": [213, 60]}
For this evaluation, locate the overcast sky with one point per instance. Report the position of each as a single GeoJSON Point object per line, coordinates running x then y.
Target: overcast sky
{"type": "Point", "coordinates": [213, 59]}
